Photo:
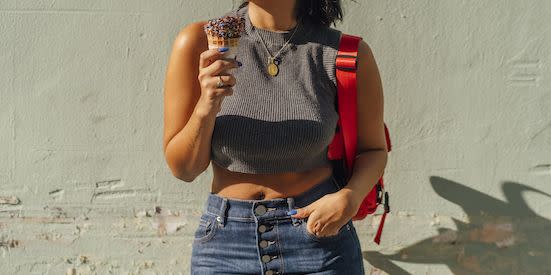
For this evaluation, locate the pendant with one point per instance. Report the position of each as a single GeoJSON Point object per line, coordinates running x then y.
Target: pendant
{"type": "Point", "coordinates": [272, 67]}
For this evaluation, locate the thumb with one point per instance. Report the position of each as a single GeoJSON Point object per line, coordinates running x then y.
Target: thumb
{"type": "Point", "coordinates": [302, 212]}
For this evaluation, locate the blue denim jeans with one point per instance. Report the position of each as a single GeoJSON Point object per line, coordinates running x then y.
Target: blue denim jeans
{"type": "Point", "coordinates": [237, 236]}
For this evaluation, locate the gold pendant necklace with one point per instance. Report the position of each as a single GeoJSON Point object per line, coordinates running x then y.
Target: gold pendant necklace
{"type": "Point", "coordinates": [273, 69]}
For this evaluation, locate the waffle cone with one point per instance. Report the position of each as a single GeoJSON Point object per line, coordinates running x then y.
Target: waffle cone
{"type": "Point", "coordinates": [221, 42]}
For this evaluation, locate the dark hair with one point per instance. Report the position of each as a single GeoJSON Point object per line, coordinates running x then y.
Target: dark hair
{"type": "Point", "coordinates": [317, 12]}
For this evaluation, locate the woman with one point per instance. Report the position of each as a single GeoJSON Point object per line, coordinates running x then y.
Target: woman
{"type": "Point", "coordinates": [267, 138]}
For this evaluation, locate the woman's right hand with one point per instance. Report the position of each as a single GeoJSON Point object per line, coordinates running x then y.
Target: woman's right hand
{"type": "Point", "coordinates": [213, 68]}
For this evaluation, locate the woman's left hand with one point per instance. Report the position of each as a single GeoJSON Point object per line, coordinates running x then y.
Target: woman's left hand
{"type": "Point", "coordinates": [328, 213]}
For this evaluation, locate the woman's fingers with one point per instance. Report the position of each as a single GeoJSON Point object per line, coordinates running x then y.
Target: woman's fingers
{"type": "Point", "coordinates": [208, 57]}
{"type": "Point", "coordinates": [213, 68]}
{"type": "Point", "coordinates": [321, 229]}
{"type": "Point", "coordinates": [227, 80]}
{"type": "Point", "coordinates": [219, 66]}
{"type": "Point", "coordinates": [227, 89]}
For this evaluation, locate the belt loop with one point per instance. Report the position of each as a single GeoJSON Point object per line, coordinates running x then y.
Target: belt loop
{"type": "Point", "coordinates": [222, 213]}
{"type": "Point", "coordinates": [291, 203]}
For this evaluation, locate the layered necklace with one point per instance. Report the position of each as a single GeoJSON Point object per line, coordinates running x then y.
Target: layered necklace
{"type": "Point", "coordinates": [273, 69]}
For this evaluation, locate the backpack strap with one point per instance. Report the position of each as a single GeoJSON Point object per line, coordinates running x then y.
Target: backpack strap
{"type": "Point", "coordinates": [345, 66]}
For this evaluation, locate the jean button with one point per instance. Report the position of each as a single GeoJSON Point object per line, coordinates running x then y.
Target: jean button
{"type": "Point", "coordinates": [266, 258]}
{"type": "Point", "coordinates": [270, 272]}
{"type": "Point", "coordinates": [262, 228]}
{"type": "Point", "coordinates": [260, 210]}
{"type": "Point", "coordinates": [263, 243]}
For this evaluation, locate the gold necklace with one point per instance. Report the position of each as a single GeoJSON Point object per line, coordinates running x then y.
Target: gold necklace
{"type": "Point", "coordinates": [273, 69]}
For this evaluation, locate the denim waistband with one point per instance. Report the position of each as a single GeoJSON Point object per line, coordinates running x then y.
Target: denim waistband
{"type": "Point", "coordinates": [238, 209]}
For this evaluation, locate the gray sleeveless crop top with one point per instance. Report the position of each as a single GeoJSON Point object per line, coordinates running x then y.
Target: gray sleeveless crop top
{"type": "Point", "coordinates": [282, 123]}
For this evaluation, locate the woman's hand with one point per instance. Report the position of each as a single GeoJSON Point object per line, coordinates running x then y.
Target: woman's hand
{"type": "Point", "coordinates": [329, 213]}
{"type": "Point", "coordinates": [212, 69]}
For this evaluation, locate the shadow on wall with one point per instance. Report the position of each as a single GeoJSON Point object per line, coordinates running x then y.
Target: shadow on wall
{"type": "Point", "coordinates": [501, 237]}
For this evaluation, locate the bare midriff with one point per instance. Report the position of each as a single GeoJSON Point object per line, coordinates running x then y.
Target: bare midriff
{"type": "Point", "coordinates": [246, 186]}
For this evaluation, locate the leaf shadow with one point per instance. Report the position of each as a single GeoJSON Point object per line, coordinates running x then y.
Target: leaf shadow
{"type": "Point", "coordinates": [500, 237]}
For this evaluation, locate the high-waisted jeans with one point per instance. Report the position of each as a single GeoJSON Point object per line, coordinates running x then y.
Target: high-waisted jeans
{"type": "Point", "coordinates": [237, 236]}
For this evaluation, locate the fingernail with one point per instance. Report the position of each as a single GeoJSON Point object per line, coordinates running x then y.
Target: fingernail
{"type": "Point", "coordinates": [239, 63]}
{"type": "Point", "coordinates": [223, 49]}
{"type": "Point", "coordinates": [292, 212]}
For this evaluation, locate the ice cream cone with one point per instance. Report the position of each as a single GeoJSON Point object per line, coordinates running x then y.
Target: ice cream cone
{"type": "Point", "coordinates": [225, 32]}
{"type": "Point", "coordinates": [231, 43]}
{"type": "Point", "coordinates": [215, 42]}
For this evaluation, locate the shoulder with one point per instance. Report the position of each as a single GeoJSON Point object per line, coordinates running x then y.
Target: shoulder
{"type": "Point", "coordinates": [364, 48]}
{"type": "Point", "coordinates": [365, 54]}
{"type": "Point", "coordinates": [366, 59]}
{"type": "Point", "coordinates": [191, 36]}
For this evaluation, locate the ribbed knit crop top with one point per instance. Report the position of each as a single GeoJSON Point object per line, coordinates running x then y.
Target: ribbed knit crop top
{"type": "Point", "coordinates": [283, 123]}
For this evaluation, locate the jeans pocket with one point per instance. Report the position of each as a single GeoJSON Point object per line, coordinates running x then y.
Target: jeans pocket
{"type": "Point", "coordinates": [206, 229]}
{"type": "Point", "coordinates": [343, 231]}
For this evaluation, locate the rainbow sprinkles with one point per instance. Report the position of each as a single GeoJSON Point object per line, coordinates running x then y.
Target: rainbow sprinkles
{"type": "Point", "coordinates": [225, 31]}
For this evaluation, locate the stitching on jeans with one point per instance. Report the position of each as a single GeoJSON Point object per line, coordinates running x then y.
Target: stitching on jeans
{"type": "Point", "coordinates": [239, 219]}
{"type": "Point", "coordinates": [229, 217]}
{"type": "Point", "coordinates": [213, 228]}
{"type": "Point", "coordinates": [211, 214]}
{"type": "Point", "coordinates": [282, 271]}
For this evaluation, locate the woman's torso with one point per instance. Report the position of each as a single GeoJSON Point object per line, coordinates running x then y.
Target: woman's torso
{"type": "Point", "coordinates": [264, 186]}
{"type": "Point", "coordinates": [271, 136]}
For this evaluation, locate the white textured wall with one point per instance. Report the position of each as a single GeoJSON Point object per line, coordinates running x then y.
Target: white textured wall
{"type": "Point", "coordinates": [467, 102]}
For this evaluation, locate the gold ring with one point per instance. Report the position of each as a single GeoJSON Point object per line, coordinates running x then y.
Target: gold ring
{"type": "Point", "coordinates": [220, 83]}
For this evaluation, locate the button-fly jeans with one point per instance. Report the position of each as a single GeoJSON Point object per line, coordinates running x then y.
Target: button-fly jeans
{"type": "Point", "coordinates": [237, 236]}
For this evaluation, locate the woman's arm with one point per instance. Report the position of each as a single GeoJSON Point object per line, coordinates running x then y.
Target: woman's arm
{"type": "Point", "coordinates": [186, 141]}
{"type": "Point", "coordinates": [190, 102]}
{"type": "Point", "coordinates": [371, 156]}
{"type": "Point", "coordinates": [332, 211]}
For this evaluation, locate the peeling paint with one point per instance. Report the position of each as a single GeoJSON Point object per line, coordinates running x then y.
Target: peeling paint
{"type": "Point", "coordinates": [116, 183]}
{"type": "Point", "coordinates": [447, 236]}
{"type": "Point", "coordinates": [119, 194]}
{"type": "Point", "coordinates": [143, 246]}
{"type": "Point", "coordinates": [500, 234]}
{"type": "Point", "coordinates": [11, 200]}
{"type": "Point", "coordinates": [541, 169]}
{"type": "Point", "coordinates": [435, 220]}
{"type": "Point", "coordinates": [10, 243]}
{"type": "Point", "coordinates": [57, 194]}
{"type": "Point", "coordinates": [166, 222]}
{"type": "Point", "coordinates": [56, 212]}
{"type": "Point", "coordinates": [49, 236]}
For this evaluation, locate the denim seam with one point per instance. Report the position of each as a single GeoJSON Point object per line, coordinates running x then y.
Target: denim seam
{"type": "Point", "coordinates": [239, 219]}
{"type": "Point", "coordinates": [359, 248]}
{"type": "Point", "coordinates": [282, 271]}
{"type": "Point", "coordinates": [211, 214]}
{"type": "Point", "coordinates": [230, 217]}
{"type": "Point", "coordinates": [213, 228]}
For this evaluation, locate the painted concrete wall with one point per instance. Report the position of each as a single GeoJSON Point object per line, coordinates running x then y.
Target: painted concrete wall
{"type": "Point", "coordinates": [467, 102]}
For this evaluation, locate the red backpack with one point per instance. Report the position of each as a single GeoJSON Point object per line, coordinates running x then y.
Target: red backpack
{"type": "Point", "coordinates": [342, 150]}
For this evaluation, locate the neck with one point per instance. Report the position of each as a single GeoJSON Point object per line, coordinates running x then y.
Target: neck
{"type": "Point", "coordinates": [273, 15]}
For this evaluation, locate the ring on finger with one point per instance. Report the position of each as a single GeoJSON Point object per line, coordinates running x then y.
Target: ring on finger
{"type": "Point", "coordinates": [220, 83]}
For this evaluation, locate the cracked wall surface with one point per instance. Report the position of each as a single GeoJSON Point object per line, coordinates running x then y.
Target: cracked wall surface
{"type": "Point", "coordinates": [84, 187]}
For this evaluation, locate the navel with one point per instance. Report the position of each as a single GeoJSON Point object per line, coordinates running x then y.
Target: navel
{"type": "Point", "coordinates": [261, 196]}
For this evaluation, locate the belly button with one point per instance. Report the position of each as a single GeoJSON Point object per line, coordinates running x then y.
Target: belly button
{"type": "Point", "coordinates": [261, 196]}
